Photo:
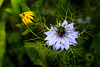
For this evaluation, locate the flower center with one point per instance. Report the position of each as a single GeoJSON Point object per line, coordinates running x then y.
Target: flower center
{"type": "Point", "coordinates": [61, 31]}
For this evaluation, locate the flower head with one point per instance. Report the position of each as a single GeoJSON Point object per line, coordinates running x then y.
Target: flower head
{"type": "Point", "coordinates": [89, 57]}
{"type": "Point", "coordinates": [81, 21]}
{"type": "Point", "coordinates": [62, 36]}
{"type": "Point", "coordinates": [27, 17]}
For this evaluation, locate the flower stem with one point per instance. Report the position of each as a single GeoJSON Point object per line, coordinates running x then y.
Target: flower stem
{"type": "Point", "coordinates": [33, 32]}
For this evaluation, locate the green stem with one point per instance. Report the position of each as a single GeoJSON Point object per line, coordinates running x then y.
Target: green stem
{"type": "Point", "coordinates": [33, 32]}
{"type": "Point", "coordinates": [84, 30]}
{"type": "Point", "coordinates": [73, 56]}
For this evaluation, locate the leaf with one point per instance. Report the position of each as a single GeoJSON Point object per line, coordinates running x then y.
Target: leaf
{"type": "Point", "coordinates": [2, 41]}
{"type": "Point", "coordinates": [14, 37]}
{"type": "Point", "coordinates": [15, 6]}
{"type": "Point", "coordinates": [37, 6]}
{"type": "Point", "coordinates": [33, 53]}
{"type": "Point", "coordinates": [19, 5]}
{"type": "Point", "coordinates": [20, 25]}
{"type": "Point", "coordinates": [1, 1]}
{"type": "Point", "coordinates": [25, 7]}
{"type": "Point", "coordinates": [37, 53]}
{"type": "Point", "coordinates": [96, 44]}
{"type": "Point", "coordinates": [26, 32]}
{"type": "Point", "coordinates": [9, 10]}
{"type": "Point", "coordinates": [38, 3]}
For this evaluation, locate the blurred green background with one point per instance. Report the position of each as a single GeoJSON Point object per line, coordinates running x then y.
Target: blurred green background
{"type": "Point", "coordinates": [18, 50]}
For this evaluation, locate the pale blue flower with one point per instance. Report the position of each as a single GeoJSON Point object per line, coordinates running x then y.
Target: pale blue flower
{"type": "Point", "coordinates": [87, 20]}
{"type": "Point", "coordinates": [62, 36]}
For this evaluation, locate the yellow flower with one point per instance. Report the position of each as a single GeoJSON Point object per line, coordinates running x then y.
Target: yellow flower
{"type": "Point", "coordinates": [27, 17]}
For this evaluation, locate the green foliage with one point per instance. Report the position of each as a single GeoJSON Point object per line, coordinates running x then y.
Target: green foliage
{"type": "Point", "coordinates": [38, 3]}
{"type": "Point", "coordinates": [25, 45]}
{"type": "Point", "coordinates": [36, 53]}
{"type": "Point", "coordinates": [14, 37]}
{"type": "Point", "coordinates": [26, 32]}
{"type": "Point", "coordinates": [2, 41]}
{"type": "Point", "coordinates": [1, 1]}
{"type": "Point", "coordinates": [95, 44]}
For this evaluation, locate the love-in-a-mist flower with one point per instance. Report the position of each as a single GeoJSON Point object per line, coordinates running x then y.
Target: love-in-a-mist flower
{"type": "Point", "coordinates": [27, 17]}
{"type": "Point", "coordinates": [62, 36]}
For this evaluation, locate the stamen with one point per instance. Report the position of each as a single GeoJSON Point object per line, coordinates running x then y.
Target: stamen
{"type": "Point", "coordinates": [61, 31]}
{"type": "Point", "coordinates": [55, 33]}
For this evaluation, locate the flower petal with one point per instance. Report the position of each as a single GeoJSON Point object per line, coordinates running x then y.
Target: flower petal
{"type": "Point", "coordinates": [72, 43]}
{"type": "Point", "coordinates": [59, 24]}
{"type": "Point", "coordinates": [47, 41]}
{"type": "Point", "coordinates": [63, 41]}
{"type": "Point", "coordinates": [48, 32]}
{"type": "Point", "coordinates": [62, 47]}
{"type": "Point", "coordinates": [67, 44]}
{"type": "Point", "coordinates": [74, 34]}
{"type": "Point", "coordinates": [53, 40]}
{"type": "Point", "coordinates": [52, 28]}
{"type": "Point", "coordinates": [70, 26]}
{"type": "Point", "coordinates": [49, 37]}
{"type": "Point", "coordinates": [58, 44]}
{"type": "Point", "coordinates": [72, 39]}
{"type": "Point", "coordinates": [65, 23]}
